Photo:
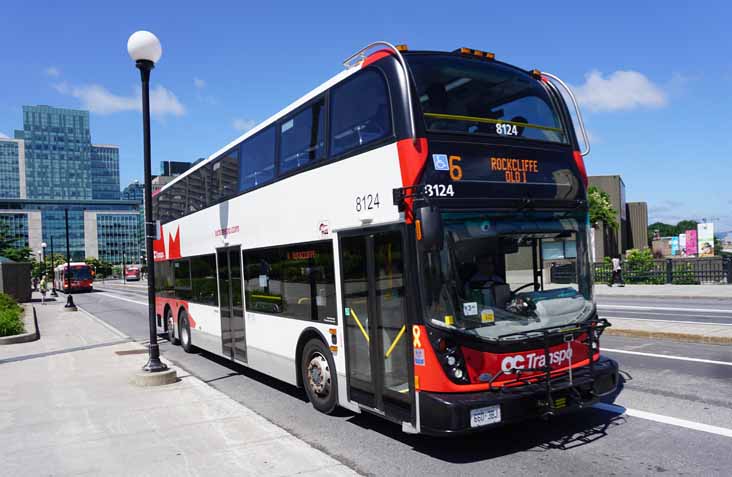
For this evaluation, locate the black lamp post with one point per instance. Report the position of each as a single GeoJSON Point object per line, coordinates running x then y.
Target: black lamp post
{"type": "Point", "coordinates": [145, 49]}
{"type": "Point", "coordinates": [69, 306]}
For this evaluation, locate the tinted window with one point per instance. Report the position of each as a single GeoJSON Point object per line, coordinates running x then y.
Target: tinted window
{"type": "Point", "coordinates": [360, 112]}
{"type": "Point", "coordinates": [224, 176]}
{"type": "Point", "coordinates": [203, 280]}
{"type": "Point", "coordinates": [164, 279]}
{"type": "Point", "coordinates": [182, 274]}
{"type": "Point", "coordinates": [295, 281]}
{"type": "Point", "coordinates": [172, 202]}
{"type": "Point", "coordinates": [301, 137]}
{"type": "Point", "coordinates": [257, 159]}
{"type": "Point", "coordinates": [471, 96]}
{"type": "Point", "coordinates": [197, 190]}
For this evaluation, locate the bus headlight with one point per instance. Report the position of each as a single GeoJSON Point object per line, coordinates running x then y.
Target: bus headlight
{"type": "Point", "coordinates": [450, 356]}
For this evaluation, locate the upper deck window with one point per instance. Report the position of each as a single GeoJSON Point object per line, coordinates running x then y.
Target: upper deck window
{"type": "Point", "coordinates": [257, 159]}
{"type": "Point", "coordinates": [360, 112]}
{"type": "Point", "coordinates": [472, 96]}
{"type": "Point", "coordinates": [301, 137]}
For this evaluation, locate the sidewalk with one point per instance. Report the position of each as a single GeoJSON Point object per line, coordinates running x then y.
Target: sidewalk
{"type": "Point", "coordinates": [664, 291]}
{"type": "Point", "coordinates": [67, 408]}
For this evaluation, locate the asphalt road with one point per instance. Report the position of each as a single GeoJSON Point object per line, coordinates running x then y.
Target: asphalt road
{"type": "Point", "coordinates": [673, 416]}
{"type": "Point", "coordinates": [711, 311]}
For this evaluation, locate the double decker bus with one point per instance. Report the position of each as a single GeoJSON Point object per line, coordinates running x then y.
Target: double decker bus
{"type": "Point", "coordinates": [385, 242]}
{"type": "Point", "coordinates": [81, 277]}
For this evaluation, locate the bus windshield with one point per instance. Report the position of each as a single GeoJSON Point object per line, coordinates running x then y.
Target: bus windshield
{"type": "Point", "coordinates": [472, 96]}
{"type": "Point", "coordinates": [490, 279]}
{"type": "Point", "coordinates": [80, 273]}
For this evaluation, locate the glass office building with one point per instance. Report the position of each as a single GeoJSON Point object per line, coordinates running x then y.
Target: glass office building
{"type": "Point", "coordinates": [10, 152]}
{"type": "Point", "coordinates": [134, 191]}
{"type": "Point", "coordinates": [97, 228]}
{"type": "Point", "coordinates": [17, 226]}
{"type": "Point", "coordinates": [57, 153]}
{"type": "Point", "coordinates": [105, 172]}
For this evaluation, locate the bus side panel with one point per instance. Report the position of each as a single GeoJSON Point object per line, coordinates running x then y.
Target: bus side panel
{"type": "Point", "coordinates": [206, 333]}
{"type": "Point", "coordinates": [272, 344]}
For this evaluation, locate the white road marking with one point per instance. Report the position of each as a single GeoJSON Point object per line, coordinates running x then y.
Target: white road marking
{"type": "Point", "coordinates": [655, 355]}
{"type": "Point", "coordinates": [124, 299]}
{"type": "Point", "coordinates": [665, 321]}
{"type": "Point", "coordinates": [634, 307]}
{"type": "Point", "coordinates": [674, 421]}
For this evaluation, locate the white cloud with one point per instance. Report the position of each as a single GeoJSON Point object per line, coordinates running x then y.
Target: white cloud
{"type": "Point", "coordinates": [52, 71]}
{"type": "Point", "coordinates": [619, 91]}
{"type": "Point", "coordinates": [243, 125]}
{"type": "Point", "coordinates": [199, 83]}
{"type": "Point", "coordinates": [100, 100]}
{"type": "Point", "coordinates": [3, 136]}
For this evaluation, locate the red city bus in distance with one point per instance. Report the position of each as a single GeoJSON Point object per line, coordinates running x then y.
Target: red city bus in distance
{"type": "Point", "coordinates": [81, 277]}
{"type": "Point", "coordinates": [132, 273]}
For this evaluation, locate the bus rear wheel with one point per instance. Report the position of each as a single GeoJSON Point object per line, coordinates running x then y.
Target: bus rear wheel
{"type": "Point", "coordinates": [171, 327]}
{"type": "Point", "coordinates": [184, 332]}
{"type": "Point", "coordinates": [319, 376]}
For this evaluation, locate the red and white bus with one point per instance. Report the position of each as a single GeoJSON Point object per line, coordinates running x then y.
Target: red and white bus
{"type": "Point", "coordinates": [81, 277]}
{"type": "Point", "coordinates": [385, 242]}
{"type": "Point", "coordinates": [132, 273]}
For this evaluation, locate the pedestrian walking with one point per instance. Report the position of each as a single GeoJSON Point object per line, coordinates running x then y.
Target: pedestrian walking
{"type": "Point", "coordinates": [35, 283]}
{"type": "Point", "coordinates": [44, 290]}
{"type": "Point", "coordinates": [617, 276]}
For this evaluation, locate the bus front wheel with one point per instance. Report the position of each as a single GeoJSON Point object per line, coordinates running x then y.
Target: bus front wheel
{"type": "Point", "coordinates": [319, 376]}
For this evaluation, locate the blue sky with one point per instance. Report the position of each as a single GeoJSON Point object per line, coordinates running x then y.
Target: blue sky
{"type": "Point", "coordinates": [654, 81]}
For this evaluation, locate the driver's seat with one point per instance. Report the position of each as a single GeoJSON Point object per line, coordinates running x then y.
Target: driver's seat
{"type": "Point", "coordinates": [501, 295]}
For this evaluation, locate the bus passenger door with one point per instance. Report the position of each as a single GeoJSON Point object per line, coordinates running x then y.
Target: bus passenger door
{"type": "Point", "coordinates": [231, 307]}
{"type": "Point", "coordinates": [377, 337]}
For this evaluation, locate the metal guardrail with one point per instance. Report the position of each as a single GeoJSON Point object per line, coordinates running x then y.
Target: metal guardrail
{"type": "Point", "coordinates": [681, 271]}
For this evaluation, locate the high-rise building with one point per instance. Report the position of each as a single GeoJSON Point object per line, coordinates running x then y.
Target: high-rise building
{"type": "Point", "coordinates": [12, 168]}
{"type": "Point", "coordinates": [57, 153]}
{"type": "Point", "coordinates": [105, 171]}
{"type": "Point", "coordinates": [50, 167]}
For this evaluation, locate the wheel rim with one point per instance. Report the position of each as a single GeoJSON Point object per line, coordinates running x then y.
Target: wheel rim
{"type": "Point", "coordinates": [184, 334]}
{"type": "Point", "coordinates": [318, 374]}
{"type": "Point", "coordinates": [171, 329]}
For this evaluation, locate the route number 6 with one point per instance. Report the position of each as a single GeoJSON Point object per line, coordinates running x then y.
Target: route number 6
{"type": "Point", "coordinates": [456, 172]}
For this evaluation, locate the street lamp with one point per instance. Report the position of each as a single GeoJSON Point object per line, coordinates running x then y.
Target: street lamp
{"type": "Point", "coordinates": [43, 258]}
{"type": "Point", "coordinates": [144, 48]}
{"type": "Point", "coordinates": [70, 305]}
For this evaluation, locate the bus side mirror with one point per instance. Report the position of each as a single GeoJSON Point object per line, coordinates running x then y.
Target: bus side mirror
{"type": "Point", "coordinates": [431, 227]}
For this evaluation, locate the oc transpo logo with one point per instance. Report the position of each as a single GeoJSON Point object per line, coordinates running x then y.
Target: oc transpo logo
{"type": "Point", "coordinates": [534, 360]}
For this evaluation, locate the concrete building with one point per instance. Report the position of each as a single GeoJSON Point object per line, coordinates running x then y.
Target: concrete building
{"type": "Point", "coordinates": [632, 218]}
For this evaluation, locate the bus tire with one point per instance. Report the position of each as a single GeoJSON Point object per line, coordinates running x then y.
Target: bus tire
{"type": "Point", "coordinates": [184, 331]}
{"type": "Point", "coordinates": [319, 376]}
{"type": "Point", "coordinates": [170, 327]}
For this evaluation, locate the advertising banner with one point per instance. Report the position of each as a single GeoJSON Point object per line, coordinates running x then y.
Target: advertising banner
{"type": "Point", "coordinates": [705, 239]}
{"type": "Point", "coordinates": [674, 246]}
{"type": "Point", "coordinates": [691, 242]}
{"type": "Point", "coordinates": [682, 245]}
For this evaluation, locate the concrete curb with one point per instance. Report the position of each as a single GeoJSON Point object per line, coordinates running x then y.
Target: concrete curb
{"type": "Point", "coordinates": [666, 335]}
{"type": "Point", "coordinates": [24, 337]}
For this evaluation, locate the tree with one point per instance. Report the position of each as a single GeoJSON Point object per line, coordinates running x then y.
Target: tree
{"type": "Point", "coordinates": [101, 268]}
{"type": "Point", "coordinates": [601, 210]}
{"type": "Point", "coordinates": [17, 254]}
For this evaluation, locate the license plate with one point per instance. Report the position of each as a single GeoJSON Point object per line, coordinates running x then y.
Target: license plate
{"type": "Point", "coordinates": [485, 416]}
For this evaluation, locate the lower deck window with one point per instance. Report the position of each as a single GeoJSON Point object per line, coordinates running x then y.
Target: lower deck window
{"type": "Point", "coordinates": [296, 281]}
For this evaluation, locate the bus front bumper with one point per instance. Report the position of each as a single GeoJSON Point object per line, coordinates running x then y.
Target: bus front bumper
{"type": "Point", "coordinates": [457, 413]}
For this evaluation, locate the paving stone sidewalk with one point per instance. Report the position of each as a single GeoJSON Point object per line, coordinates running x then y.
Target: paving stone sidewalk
{"type": "Point", "coordinates": [67, 407]}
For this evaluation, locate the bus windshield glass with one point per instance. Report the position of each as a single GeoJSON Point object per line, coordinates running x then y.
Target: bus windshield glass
{"type": "Point", "coordinates": [472, 96]}
{"type": "Point", "coordinates": [80, 273]}
{"type": "Point", "coordinates": [500, 274]}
